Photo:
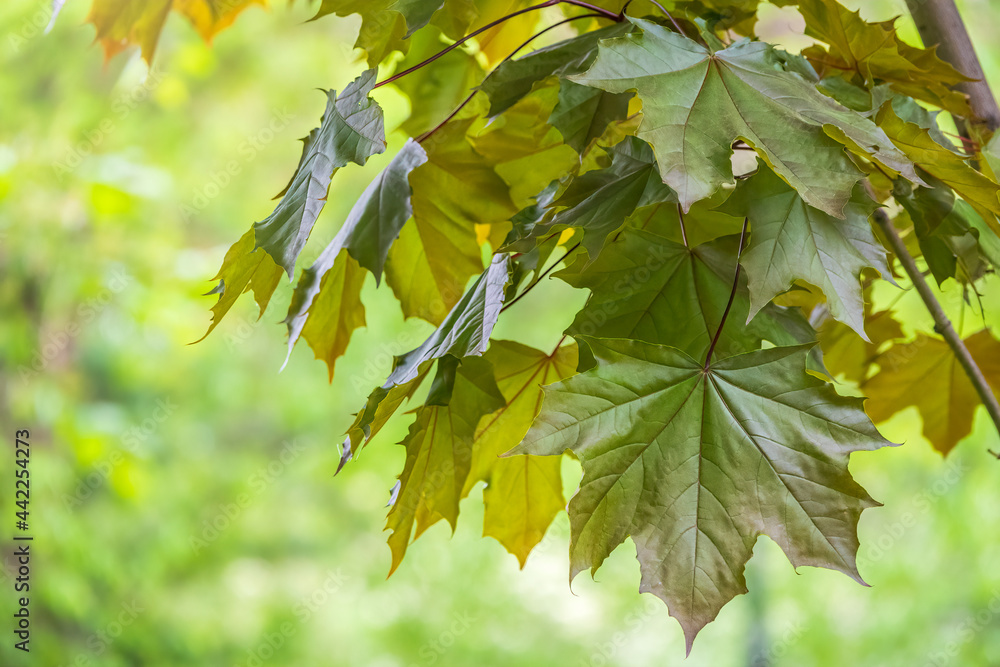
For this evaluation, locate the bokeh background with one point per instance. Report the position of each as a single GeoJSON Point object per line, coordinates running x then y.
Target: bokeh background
{"type": "Point", "coordinates": [184, 506]}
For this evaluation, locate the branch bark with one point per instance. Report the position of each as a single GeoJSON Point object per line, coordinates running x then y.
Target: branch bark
{"type": "Point", "coordinates": [942, 324]}
{"type": "Point", "coordinates": [939, 23]}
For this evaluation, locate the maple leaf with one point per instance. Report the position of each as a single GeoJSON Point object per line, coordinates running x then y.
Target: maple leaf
{"type": "Point", "coordinates": [245, 267]}
{"type": "Point", "coordinates": [122, 23]}
{"type": "Point", "coordinates": [523, 493]}
{"type": "Point", "coordinates": [791, 240]}
{"type": "Point", "coordinates": [697, 102]}
{"type": "Point", "coordinates": [846, 353]}
{"type": "Point", "coordinates": [435, 256]}
{"type": "Point", "coordinates": [599, 201]}
{"type": "Point", "coordinates": [466, 330]}
{"type": "Point", "coordinates": [943, 164]}
{"type": "Point", "coordinates": [385, 24]}
{"type": "Point", "coordinates": [876, 53]}
{"type": "Point", "coordinates": [439, 453]}
{"type": "Point", "coordinates": [351, 131]}
{"type": "Point", "coordinates": [929, 363]}
{"type": "Point", "coordinates": [694, 464]}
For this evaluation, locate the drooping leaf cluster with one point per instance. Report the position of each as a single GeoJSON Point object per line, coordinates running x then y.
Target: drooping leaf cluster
{"type": "Point", "coordinates": [695, 386]}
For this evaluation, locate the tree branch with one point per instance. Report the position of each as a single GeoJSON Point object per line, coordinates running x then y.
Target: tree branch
{"type": "Point", "coordinates": [939, 23]}
{"type": "Point", "coordinates": [942, 324]}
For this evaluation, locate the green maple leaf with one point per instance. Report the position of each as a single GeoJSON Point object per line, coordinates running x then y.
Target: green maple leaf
{"type": "Point", "coordinates": [649, 288]}
{"type": "Point", "coordinates": [524, 493]}
{"type": "Point", "coordinates": [694, 464]}
{"type": "Point", "coordinates": [351, 131]}
{"type": "Point", "coordinates": [697, 102]}
{"type": "Point", "coordinates": [439, 453]}
{"type": "Point", "coordinates": [948, 231]}
{"type": "Point", "coordinates": [583, 114]}
{"type": "Point", "coordinates": [791, 240]}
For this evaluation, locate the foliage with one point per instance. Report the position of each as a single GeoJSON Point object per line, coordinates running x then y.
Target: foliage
{"type": "Point", "coordinates": [703, 412]}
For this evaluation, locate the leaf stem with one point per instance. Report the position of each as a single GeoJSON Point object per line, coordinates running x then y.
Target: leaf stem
{"type": "Point", "coordinates": [539, 278]}
{"type": "Point", "coordinates": [663, 9]}
{"type": "Point", "coordinates": [732, 297]}
{"type": "Point", "coordinates": [942, 324]}
{"type": "Point", "coordinates": [680, 219]}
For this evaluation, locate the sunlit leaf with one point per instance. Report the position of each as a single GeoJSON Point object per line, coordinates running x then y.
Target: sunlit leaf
{"type": "Point", "coordinates": [926, 374]}
{"type": "Point", "coordinates": [523, 493]}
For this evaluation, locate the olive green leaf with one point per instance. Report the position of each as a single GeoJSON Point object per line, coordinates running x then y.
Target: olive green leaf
{"type": "Point", "coordinates": [523, 493]}
{"type": "Point", "coordinates": [326, 305]}
{"type": "Point", "coordinates": [583, 114]}
{"type": "Point", "coordinates": [245, 267]}
{"type": "Point", "coordinates": [948, 231]}
{"type": "Point", "coordinates": [438, 456]}
{"type": "Point", "coordinates": [697, 102]}
{"type": "Point", "coordinates": [791, 240]}
{"type": "Point", "coordinates": [351, 131]}
{"type": "Point", "coordinates": [695, 464]}
{"type": "Point", "coordinates": [599, 201]}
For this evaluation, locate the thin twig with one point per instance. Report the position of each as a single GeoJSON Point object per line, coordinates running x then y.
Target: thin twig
{"type": "Point", "coordinates": [463, 40]}
{"type": "Point", "coordinates": [942, 324]}
{"type": "Point", "coordinates": [539, 279]}
{"type": "Point", "coordinates": [663, 9]}
{"type": "Point", "coordinates": [732, 297]}
{"type": "Point", "coordinates": [594, 8]}
{"type": "Point", "coordinates": [426, 135]}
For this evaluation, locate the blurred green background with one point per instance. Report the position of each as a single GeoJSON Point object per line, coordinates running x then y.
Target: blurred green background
{"type": "Point", "coordinates": [184, 507]}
